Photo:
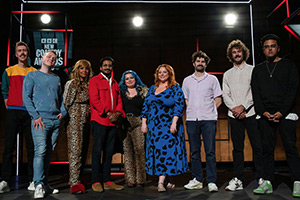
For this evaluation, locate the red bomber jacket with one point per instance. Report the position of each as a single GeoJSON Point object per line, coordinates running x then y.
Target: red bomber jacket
{"type": "Point", "coordinates": [100, 99]}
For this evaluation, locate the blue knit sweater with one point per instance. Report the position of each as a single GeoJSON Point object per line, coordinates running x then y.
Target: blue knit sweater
{"type": "Point", "coordinates": [42, 95]}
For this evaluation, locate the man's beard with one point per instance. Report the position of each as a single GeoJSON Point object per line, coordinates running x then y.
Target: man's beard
{"type": "Point", "coordinates": [239, 61]}
{"type": "Point", "coordinates": [200, 70]}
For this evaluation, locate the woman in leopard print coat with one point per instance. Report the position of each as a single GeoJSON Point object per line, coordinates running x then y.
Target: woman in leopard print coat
{"type": "Point", "coordinates": [76, 100]}
{"type": "Point", "coordinates": [133, 93]}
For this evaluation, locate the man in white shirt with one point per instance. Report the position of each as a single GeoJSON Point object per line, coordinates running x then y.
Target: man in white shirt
{"type": "Point", "coordinates": [202, 94]}
{"type": "Point", "coordinates": [237, 97]}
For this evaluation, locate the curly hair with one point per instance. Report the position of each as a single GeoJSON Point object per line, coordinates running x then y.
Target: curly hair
{"type": "Point", "coordinates": [171, 80]}
{"type": "Point", "coordinates": [239, 45]}
{"type": "Point", "coordinates": [75, 72]}
{"type": "Point", "coordinates": [200, 54]}
{"type": "Point", "coordinates": [139, 85]}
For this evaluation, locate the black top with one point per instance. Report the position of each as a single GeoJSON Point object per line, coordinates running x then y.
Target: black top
{"type": "Point", "coordinates": [133, 105]}
{"type": "Point", "coordinates": [275, 89]}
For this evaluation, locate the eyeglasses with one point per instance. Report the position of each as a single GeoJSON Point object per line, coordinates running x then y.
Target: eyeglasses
{"type": "Point", "coordinates": [272, 46]}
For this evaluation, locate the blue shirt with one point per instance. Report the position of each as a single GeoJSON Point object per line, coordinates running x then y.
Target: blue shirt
{"type": "Point", "coordinates": [42, 95]}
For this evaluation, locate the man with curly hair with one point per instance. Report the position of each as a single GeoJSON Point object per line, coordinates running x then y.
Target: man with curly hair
{"type": "Point", "coordinates": [202, 94]}
{"type": "Point", "coordinates": [237, 97]}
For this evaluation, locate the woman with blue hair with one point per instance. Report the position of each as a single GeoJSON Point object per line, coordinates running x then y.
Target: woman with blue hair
{"type": "Point", "coordinates": [133, 92]}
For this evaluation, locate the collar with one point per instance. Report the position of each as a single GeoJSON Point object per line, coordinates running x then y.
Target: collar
{"type": "Point", "coordinates": [241, 67]}
{"type": "Point", "coordinates": [103, 76]}
{"type": "Point", "coordinates": [202, 78]}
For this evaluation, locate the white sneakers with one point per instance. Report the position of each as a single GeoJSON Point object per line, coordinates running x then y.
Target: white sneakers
{"type": "Point", "coordinates": [193, 184]}
{"type": "Point", "coordinates": [234, 185]}
{"type": "Point", "coordinates": [212, 187]}
{"type": "Point", "coordinates": [39, 192]}
{"type": "Point", "coordinates": [31, 186]}
{"type": "Point", "coordinates": [4, 187]}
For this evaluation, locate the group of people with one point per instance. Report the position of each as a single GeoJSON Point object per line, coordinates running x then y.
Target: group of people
{"type": "Point", "coordinates": [260, 99]}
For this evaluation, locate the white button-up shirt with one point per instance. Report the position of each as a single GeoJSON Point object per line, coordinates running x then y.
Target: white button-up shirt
{"type": "Point", "coordinates": [237, 88]}
{"type": "Point", "coordinates": [201, 96]}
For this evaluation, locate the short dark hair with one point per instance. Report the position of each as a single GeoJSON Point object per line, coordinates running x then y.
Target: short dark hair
{"type": "Point", "coordinates": [269, 37]}
{"type": "Point", "coordinates": [200, 54]}
{"type": "Point", "coordinates": [107, 58]}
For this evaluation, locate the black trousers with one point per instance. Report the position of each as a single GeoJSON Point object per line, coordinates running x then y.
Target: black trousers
{"type": "Point", "coordinates": [17, 121]}
{"type": "Point", "coordinates": [238, 136]}
{"type": "Point", "coordinates": [287, 131]}
{"type": "Point", "coordinates": [103, 139]}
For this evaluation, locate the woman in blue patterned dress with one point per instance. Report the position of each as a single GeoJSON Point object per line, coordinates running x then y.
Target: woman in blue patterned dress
{"type": "Point", "coordinates": [162, 121]}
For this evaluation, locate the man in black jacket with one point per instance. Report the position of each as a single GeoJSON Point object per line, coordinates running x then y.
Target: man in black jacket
{"type": "Point", "coordinates": [274, 87]}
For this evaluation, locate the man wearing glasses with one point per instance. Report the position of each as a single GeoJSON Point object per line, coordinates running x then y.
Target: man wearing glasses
{"type": "Point", "coordinates": [274, 88]}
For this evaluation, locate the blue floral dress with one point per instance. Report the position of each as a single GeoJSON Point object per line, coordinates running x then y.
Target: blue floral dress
{"type": "Point", "coordinates": [165, 152]}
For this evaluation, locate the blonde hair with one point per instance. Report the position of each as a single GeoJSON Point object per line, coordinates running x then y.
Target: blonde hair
{"type": "Point", "coordinates": [75, 72]}
{"type": "Point", "coordinates": [171, 79]}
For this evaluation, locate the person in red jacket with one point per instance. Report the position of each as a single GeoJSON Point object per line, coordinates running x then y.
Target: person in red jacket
{"type": "Point", "coordinates": [106, 109]}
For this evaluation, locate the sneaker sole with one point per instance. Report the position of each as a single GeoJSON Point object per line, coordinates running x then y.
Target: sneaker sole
{"type": "Point", "coordinates": [262, 193]}
{"type": "Point", "coordinates": [38, 197]}
{"type": "Point", "coordinates": [194, 188]}
{"type": "Point", "coordinates": [237, 189]}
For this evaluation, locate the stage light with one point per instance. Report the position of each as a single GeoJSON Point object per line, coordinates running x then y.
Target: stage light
{"type": "Point", "coordinates": [137, 21]}
{"type": "Point", "coordinates": [45, 18]}
{"type": "Point", "coordinates": [230, 19]}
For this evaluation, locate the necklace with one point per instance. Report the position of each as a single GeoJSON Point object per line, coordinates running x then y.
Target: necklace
{"type": "Point", "coordinates": [271, 72]}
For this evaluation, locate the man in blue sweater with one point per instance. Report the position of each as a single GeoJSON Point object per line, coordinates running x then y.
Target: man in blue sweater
{"type": "Point", "coordinates": [42, 96]}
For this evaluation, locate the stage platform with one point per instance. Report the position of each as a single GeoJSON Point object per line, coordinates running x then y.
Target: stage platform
{"type": "Point", "coordinates": [59, 179]}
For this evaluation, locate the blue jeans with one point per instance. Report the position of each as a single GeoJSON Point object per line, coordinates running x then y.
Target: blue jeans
{"type": "Point", "coordinates": [44, 143]}
{"type": "Point", "coordinates": [208, 130]}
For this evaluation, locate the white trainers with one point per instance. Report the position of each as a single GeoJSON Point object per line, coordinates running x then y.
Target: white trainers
{"type": "Point", "coordinates": [4, 187]}
{"type": "Point", "coordinates": [212, 187]}
{"type": "Point", "coordinates": [31, 186]}
{"type": "Point", "coordinates": [39, 192]}
{"type": "Point", "coordinates": [193, 184]}
{"type": "Point", "coordinates": [234, 185]}
{"type": "Point", "coordinates": [50, 190]}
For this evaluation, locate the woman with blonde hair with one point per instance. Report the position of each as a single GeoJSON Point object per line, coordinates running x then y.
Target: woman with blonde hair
{"type": "Point", "coordinates": [162, 121]}
{"type": "Point", "coordinates": [76, 100]}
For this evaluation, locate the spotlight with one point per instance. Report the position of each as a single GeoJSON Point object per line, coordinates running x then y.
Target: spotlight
{"type": "Point", "coordinates": [45, 18]}
{"type": "Point", "coordinates": [231, 18]}
{"type": "Point", "coordinates": [137, 21]}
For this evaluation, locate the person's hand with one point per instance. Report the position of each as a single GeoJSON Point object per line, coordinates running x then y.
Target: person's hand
{"type": "Point", "coordinates": [144, 128]}
{"type": "Point", "coordinates": [59, 116]}
{"type": "Point", "coordinates": [113, 117]}
{"type": "Point", "coordinates": [242, 115]}
{"type": "Point", "coordinates": [277, 116]}
{"type": "Point", "coordinates": [38, 123]}
{"type": "Point", "coordinates": [268, 116]}
{"type": "Point", "coordinates": [236, 111]}
{"type": "Point", "coordinates": [173, 128]}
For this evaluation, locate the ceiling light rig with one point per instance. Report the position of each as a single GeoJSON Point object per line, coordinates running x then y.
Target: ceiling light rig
{"type": "Point", "coordinates": [230, 19]}
{"type": "Point", "coordinates": [45, 18]}
{"type": "Point", "coordinates": [137, 21]}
